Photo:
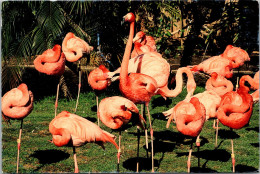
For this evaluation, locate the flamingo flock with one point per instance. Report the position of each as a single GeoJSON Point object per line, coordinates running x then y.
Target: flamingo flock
{"type": "Point", "coordinates": [143, 74]}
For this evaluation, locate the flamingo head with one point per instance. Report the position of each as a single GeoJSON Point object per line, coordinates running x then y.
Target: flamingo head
{"type": "Point", "coordinates": [214, 75]}
{"type": "Point", "coordinates": [139, 37]}
{"type": "Point", "coordinates": [129, 17]}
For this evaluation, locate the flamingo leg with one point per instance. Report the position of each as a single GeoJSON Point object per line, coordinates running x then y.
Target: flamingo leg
{"type": "Point", "coordinates": [138, 142]}
{"type": "Point", "coordinates": [75, 160]}
{"type": "Point", "coordinates": [79, 86]}
{"type": "Point", "coordinates": [146, 134]}
{"type": "Point", "coordinates": [216, 141]}
{"type": "Point", "coordinates": [97, 108]}
{"type": "Point", "coordinates": [189, 158]}
{"type": "Point", "coordinates": [119, 151]}
{"type": "Point", "coordinates": [233, 156]}
{"type": "Point", "coordinates": [151, 132]}
{"type": "Point", "coordinates": [19, 146]}
{"type": "Point", "coordinates": [57, 97]}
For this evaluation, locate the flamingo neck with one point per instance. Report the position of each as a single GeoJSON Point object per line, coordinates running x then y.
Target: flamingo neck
{"type": "Point", "coordinates": [60, 137]}
{"type": "Point", "coordinates": [126, 57]}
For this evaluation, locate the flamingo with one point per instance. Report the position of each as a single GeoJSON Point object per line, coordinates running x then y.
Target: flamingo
{"type": "Point", "coordinates": [190, 117]}
{"type": "Point", "coordinates": [51, 62]}
{"type": "Point", "coordinates": [147, 43]}
{"type": "Point", "coordinates": [235, 109]}
{"type": "Point", "coordinates": [98, 80]}
{"type": "Point", "coordinates": [115, 112]}
{"type": "Point", "coordinates": [73, 48]}
{"type": "Point", "coordinates": [137, 87]}
{"type": "Point", "coordinates": [237, 55]}
{"type": "Point", "coordinates": [68, 129]}
{"type": "Point", "coordinates": [255, 86]}
{"type": "Point", "coordinates": [17, 104]}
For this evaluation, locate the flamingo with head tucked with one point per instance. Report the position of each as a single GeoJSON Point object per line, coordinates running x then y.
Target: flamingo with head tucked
{"type": "Point", "coordinates": [17, 104]}
{"type": "Point", "coordinates": [115, 112]}
{"type": "Point", "coordinates": [51, 62]}
{"type": "Point", "coordinates": [73, 48]}
{"type": "Point", "coordinates": [72, 130]}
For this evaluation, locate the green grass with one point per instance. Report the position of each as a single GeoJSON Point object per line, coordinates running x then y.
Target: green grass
{"type": "Point", "coordinates": [38, 155]}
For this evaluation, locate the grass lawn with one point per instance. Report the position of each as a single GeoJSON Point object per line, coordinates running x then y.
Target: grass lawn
{"type": "Point", "coordinates": [171, 148]}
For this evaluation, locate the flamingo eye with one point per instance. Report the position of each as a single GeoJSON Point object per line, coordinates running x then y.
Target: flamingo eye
{"type": "Point", "coordinates": [123, 108]}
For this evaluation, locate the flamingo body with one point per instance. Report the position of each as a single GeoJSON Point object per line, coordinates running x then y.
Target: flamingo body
{"type": "Point", "coordinates": [74, 47]}
{"type": "Point", "coordinates": [116, 111]}
{"type": "Point", "coordinates": [51, 61]}
{"type": "Point", "coordinates": [73, 130]}
{"type": "Point", "coordinates": [18, 102]}
{"type": "Point", "coordinates": [98, 78]}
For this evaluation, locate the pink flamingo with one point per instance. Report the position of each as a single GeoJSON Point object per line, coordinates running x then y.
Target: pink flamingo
{"type": "Point", "coordinates": [255, 86]}
{"type": "Point", "coordinates": [235, 109]}
{"type": "Point", "coordinates": [73, 48]}
{"type": "Point", "coordinates": [190, 117]}
{"type": "Point", "coordinates": [115, 112]}
{"type": "Point", "coordinates": [137, 87]}
{"type": "Point", "coordinates": [51, 62]}
{"type": "Point", "coordinates": [237, 55]}
{"type": "Point", "coordinates": [17, 104]}
{"type": "Point", "coordinates": [72, 130]}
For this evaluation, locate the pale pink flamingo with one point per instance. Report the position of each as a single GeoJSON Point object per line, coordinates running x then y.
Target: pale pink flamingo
{"type": "Point", "coordinates": [190, 117]}
{"type": "Point", "coordinates": [17, 104]}
{"type": "Point", "coordinates": [237, 55]}
{"type": "Point", "coordinates": [115, 112]}
{"type": "Point", "coordinates": [73, 48]}
{"type": "Point", "coordinates": [51, 62]}
{"type": "Point", "coordinates": [68, 129]}
{"type": "Point", "coordinates": [235, 109]}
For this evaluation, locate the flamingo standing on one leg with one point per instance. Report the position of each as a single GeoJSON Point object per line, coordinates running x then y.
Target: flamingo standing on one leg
{"type": "Point", "coordinates": [73, 130]}
{"type": "Point", "coordinates": [98, 80]}
{"type": "Point", "coordinates": [51, 62]}
{"type": "Point", "coordinates": [17, 104]}
{"type": "Point", "coordinates": [190, 117]}
{"type": "Point", "coordinates": [115, 112]}
{"type": "Point", "coordinates": [73, 48]}
{"type": "Point", "coordinates": [137, 87]}
{"type": "Point", "coordinates": [235, 109]}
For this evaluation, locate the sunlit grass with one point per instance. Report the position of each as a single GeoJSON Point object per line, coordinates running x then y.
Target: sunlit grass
{"type": "Point", "coordinates": [38, 155]}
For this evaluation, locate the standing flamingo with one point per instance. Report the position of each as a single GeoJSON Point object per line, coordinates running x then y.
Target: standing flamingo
{"type": "Point", "coordinates": [98, 80]}
{"type": "Point", "coordinates": [51, 62]}
{"type": "Point", "coordinates": [235, 109]}
{"type": "Point", "coordinates": [190, 117]}
{"type": "Point", "coordinates": [73, 48]}
{"type": "Point", "coordinates": [17, 104]}
{"type": "Point", "coordinates": [237, 55]}
{"type": "Point", "coordinates": [115, 112]}
{"type": "Point", "coordinates": [137, 87]}
{"type": "Point", "coordinates": [73, 130]}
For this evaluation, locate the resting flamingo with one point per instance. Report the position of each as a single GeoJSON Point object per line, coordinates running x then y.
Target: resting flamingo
{"type": "Point", "coordinates": [51, 62]}
{"type": "Point", "coordinates": [98, 80]}
{"type": "Point", "coordinates": [235, 109]}
{"type": "Point", "coordinates": [17, 104]}
{"type": "Point", "coordinates": [137, 87]}
{"type": "Point", "coordinates": [68, 129]}
{"type": "Point", "coordinates": [237, 55]}
{"type": "Point", "coordinates": [73, 48]}
{"type": "Point", "coordinates": [115, 112]}
{"type": "Point", "coordinates": [190, 117]}
{"type": "Point", "coordinates": [147, 43]}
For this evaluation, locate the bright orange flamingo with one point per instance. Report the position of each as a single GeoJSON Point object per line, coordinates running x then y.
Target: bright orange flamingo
{"type": "Point", "coordinates": [137, 87]}
{"type": "Point", "coordinates": [190, 117]}
{"type": "Point", "coordinates": [17, 104]}
{"type": "Point", "coordinates": [147, 43]}
{"type": "Point", "coordinates": [72, 130]}
{"type": "Point", "coordinates": [51, 62]}
{"type": "Point", "coordinates": [73, 48]}
{"type": "Point", "coordinates": [115, 112]}
{"type": "Point", "coordinates": [237, 55]}
{"type": "Point", "coordinates": [235, 109]}
{"type": "Point", "coordinates": [98, 80]}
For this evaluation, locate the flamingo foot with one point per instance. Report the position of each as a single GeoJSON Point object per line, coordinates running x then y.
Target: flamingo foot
{"type": "Point", "coordinates": [233, 161]}
{"type": "Point", "coordinates": [76, 170]}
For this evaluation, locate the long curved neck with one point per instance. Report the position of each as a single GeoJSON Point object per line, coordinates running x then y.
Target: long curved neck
{"type": "Point", "coordinates": [126, 57]}
{"type": "Point", "coordinates": [60, 136]}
